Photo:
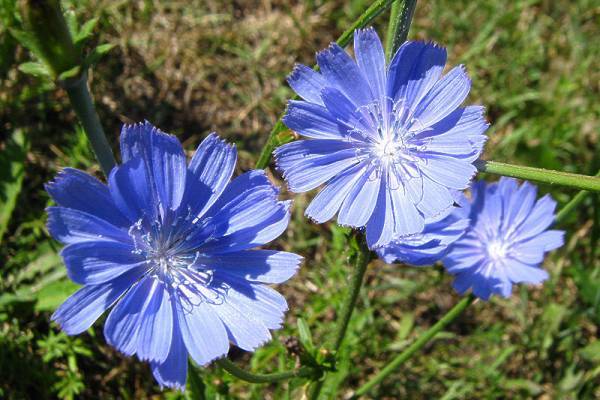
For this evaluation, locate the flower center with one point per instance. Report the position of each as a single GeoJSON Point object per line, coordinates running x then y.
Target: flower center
{"type": "Point", "coordinates": [386, 148]}
{"type": "Point", "coordinates": [497, 250]}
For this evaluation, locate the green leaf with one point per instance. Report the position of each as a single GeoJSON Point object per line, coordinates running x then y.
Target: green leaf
{"type": "Point", "coordinates": [85, 31]}
{"type": "Point", "coordinates": [43, 264]}
{"type": "Point", "coordinates": [54, 294]}
{"type": "Point", "coordinates": [591, 352]}
{"type": "Point", "coordinates": [25, 38]}
{"type": "Point", "coordinates": [35, 69]}
{"type": "Point", "coordinates": [196, 387]}
{"type": "Point", "coordinates": [96, 54]}
{"type": "Point", "coordinates": [70, 73]}
{"type": "Point", "coordinates": [71, 20]}
{"type": "Point", "coordinates": [12, 170]}
{"type": "Point", "coordinates": [305, 335]}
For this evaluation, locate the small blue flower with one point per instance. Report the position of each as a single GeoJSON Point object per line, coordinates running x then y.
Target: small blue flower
{"type": "Point", "coordinates": [506, 240]}
{"type": "Point", "coordinates": [390, 144]}
{"type": "Point", "coordinates": [169, 245]}
{"type": "Point", "coordinates": [431, 245]}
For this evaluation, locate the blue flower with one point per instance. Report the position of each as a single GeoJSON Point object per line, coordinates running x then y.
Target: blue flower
{"type": "Point", "coordinates": [431, 245]}
{"type": "Point", "coordinates": [169, 245]}
{"type": "Point", "coordinates": [388, 143]}
{"type": "Point", "coordinates": [506, 240]}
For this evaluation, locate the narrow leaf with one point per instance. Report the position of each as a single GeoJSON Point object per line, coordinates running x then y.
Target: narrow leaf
{"type": "Point", "coordinates": [12, 170]}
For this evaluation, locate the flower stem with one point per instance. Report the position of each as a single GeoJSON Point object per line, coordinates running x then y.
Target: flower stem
{"type": "Point", "coordinates": [400, 18]}
{"type": "Point", "coordinates": [572, 204]}
{"type": "Point", "coordinates": [552, 177]}
{"type": "Point", "coordinates": [84, 108]}
{"type": "Point", "coordinates": [416, 346]}
{"type": "Point", "coordinates": [362, 261]}
{"type": "Point", "coordinates": [280, 134]}
{"type": "Point", "coordinates": [302, 372]}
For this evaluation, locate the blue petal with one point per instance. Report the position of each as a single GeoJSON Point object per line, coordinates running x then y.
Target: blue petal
{"type": "Point", "coordinates": [202, 331]}
{"type": "Point", "coordinates": [445, 97]}
{"type": "Point", "coordinates": [520, 272]}
{"type": "Point", "coordinates": [76, 189]}
{"type": "Point", "coordinates": [242, 330]}
{"type": "Point", "coordinates": [69, 225]}
{"type": "Point", "coordinates": [540, 218]}
{"type": "Point", "coordinates": [394, 215]}
{"type": "Point", "coordinates": [407, 219]}
{"type": "Point", "coordinates": [173, 371]}
{"type": "Point", "coordinates": [380, 228]}
{"type": "Point", "coordinates": [307, 164]}
{"type": "Point", "coordinates": [84, 307]}
{"type": "Point", "coordinates": [267, 266]}
{"type": "Point", "coordinates": [163, 158]}
{"type": "Point", "coordinates": [413, 71]}
{"type": "Point", "coordinates": [92, 263]}
{"type": "Point", "coordinates": [247, 215]}
{"type": "Point", "coordinates": [257, 302]}
{"type": "Point", "coordinates": [428, 247]}
{"type": "Point", "coordinates": [209, 173]}
{"type": "Point", "coordinates": [463, 123]}
{"type": "Point", "coordinates": [518, 206]}
{"type": "Point", "coordinates": [131, 189]}
{"type": "Point", "coordinates": [156, 324]}
{"type": "Point", "coordinates": [448, 171]}
{"type": "Point", "coordinates": [435, 198]}
{"type": "Point", "coordinates": [307, 83]}
{"type": "Point", "coordinates": [532, 251]}
{"type": "Point", "coordinates": [341, 72]}
{"type": "Point", "coordinates": [312, 120]}
{"type": "Point", "coordinates": [329, 200]}
{"type": "Point", "coordinates": [371, 60]}
{"type": "Point", "coordinates": [360, 202]}
{"type": "Point", "coordinates": [122, 326]}
{"type": "Point", "coordinates": [349, 118]}
{"type": "Point", "coordinates": [259, 224]}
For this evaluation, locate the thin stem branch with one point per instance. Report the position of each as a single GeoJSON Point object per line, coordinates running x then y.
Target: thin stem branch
{"type": "Point", "coordinates": [279, 134]}
{"type": "Point", "coordinates": [549, 176]}
{"type": "Point", "coordinates": [400, 19]}
{"type": "Point", "coordinates": [362, 261]}
{"type": "Point", "coordinates": [572, 205]}
{"type": "Point", "coordinates": [84, 108]}
{"type": "Point", "coordinates": [416, 346]}
{"type": "Point", "coordinates": [302, 372]}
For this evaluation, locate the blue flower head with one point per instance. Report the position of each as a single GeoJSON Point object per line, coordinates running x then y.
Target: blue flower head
{"type": "Point", "coordinates": [169, 245]}
{"type": "Point", "coordinates": [389, 143]}
{"type": "Point", "coordinates": [506, 240]}
{"type": "Point", "coordinates": [431, 245]}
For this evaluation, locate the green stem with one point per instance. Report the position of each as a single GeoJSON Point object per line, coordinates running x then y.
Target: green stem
{"type": "Point", "coordinates": [400, 18]}
{"type": "Point", "coordinates": [302, 372]}
{"type": "Point", "coordinates": [416, 346]}
{"type": "Point", "coordinates": [279, 134]}
{"type": "Point", "coordinates": [572, 204]}
{"type": "Point", "coordinates": [549, 176]}
{"type": "Point", "coordinates": [362, 261]}
{"type": "Point", "coordinates": [84, 108]}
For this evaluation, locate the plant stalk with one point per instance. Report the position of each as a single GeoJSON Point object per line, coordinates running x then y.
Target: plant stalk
{"type": "Point", "coordinates": [583, 182]}
{"type": "Point", "coordinates": [572, 205]}
{"type": "Point", "coordinates": [81, 100]}
{"type": "Point", "coordinates": [362, 261]}
{"type": "Point", "coordinates": [416, 346]}
{"type": "Point", "coordinates": [400, 19]}
{"type": "Point", "coordinates": [229, 366]}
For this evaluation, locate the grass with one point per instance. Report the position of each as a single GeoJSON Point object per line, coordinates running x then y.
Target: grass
{"type": "Point", "coordinates": [195, 67]}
